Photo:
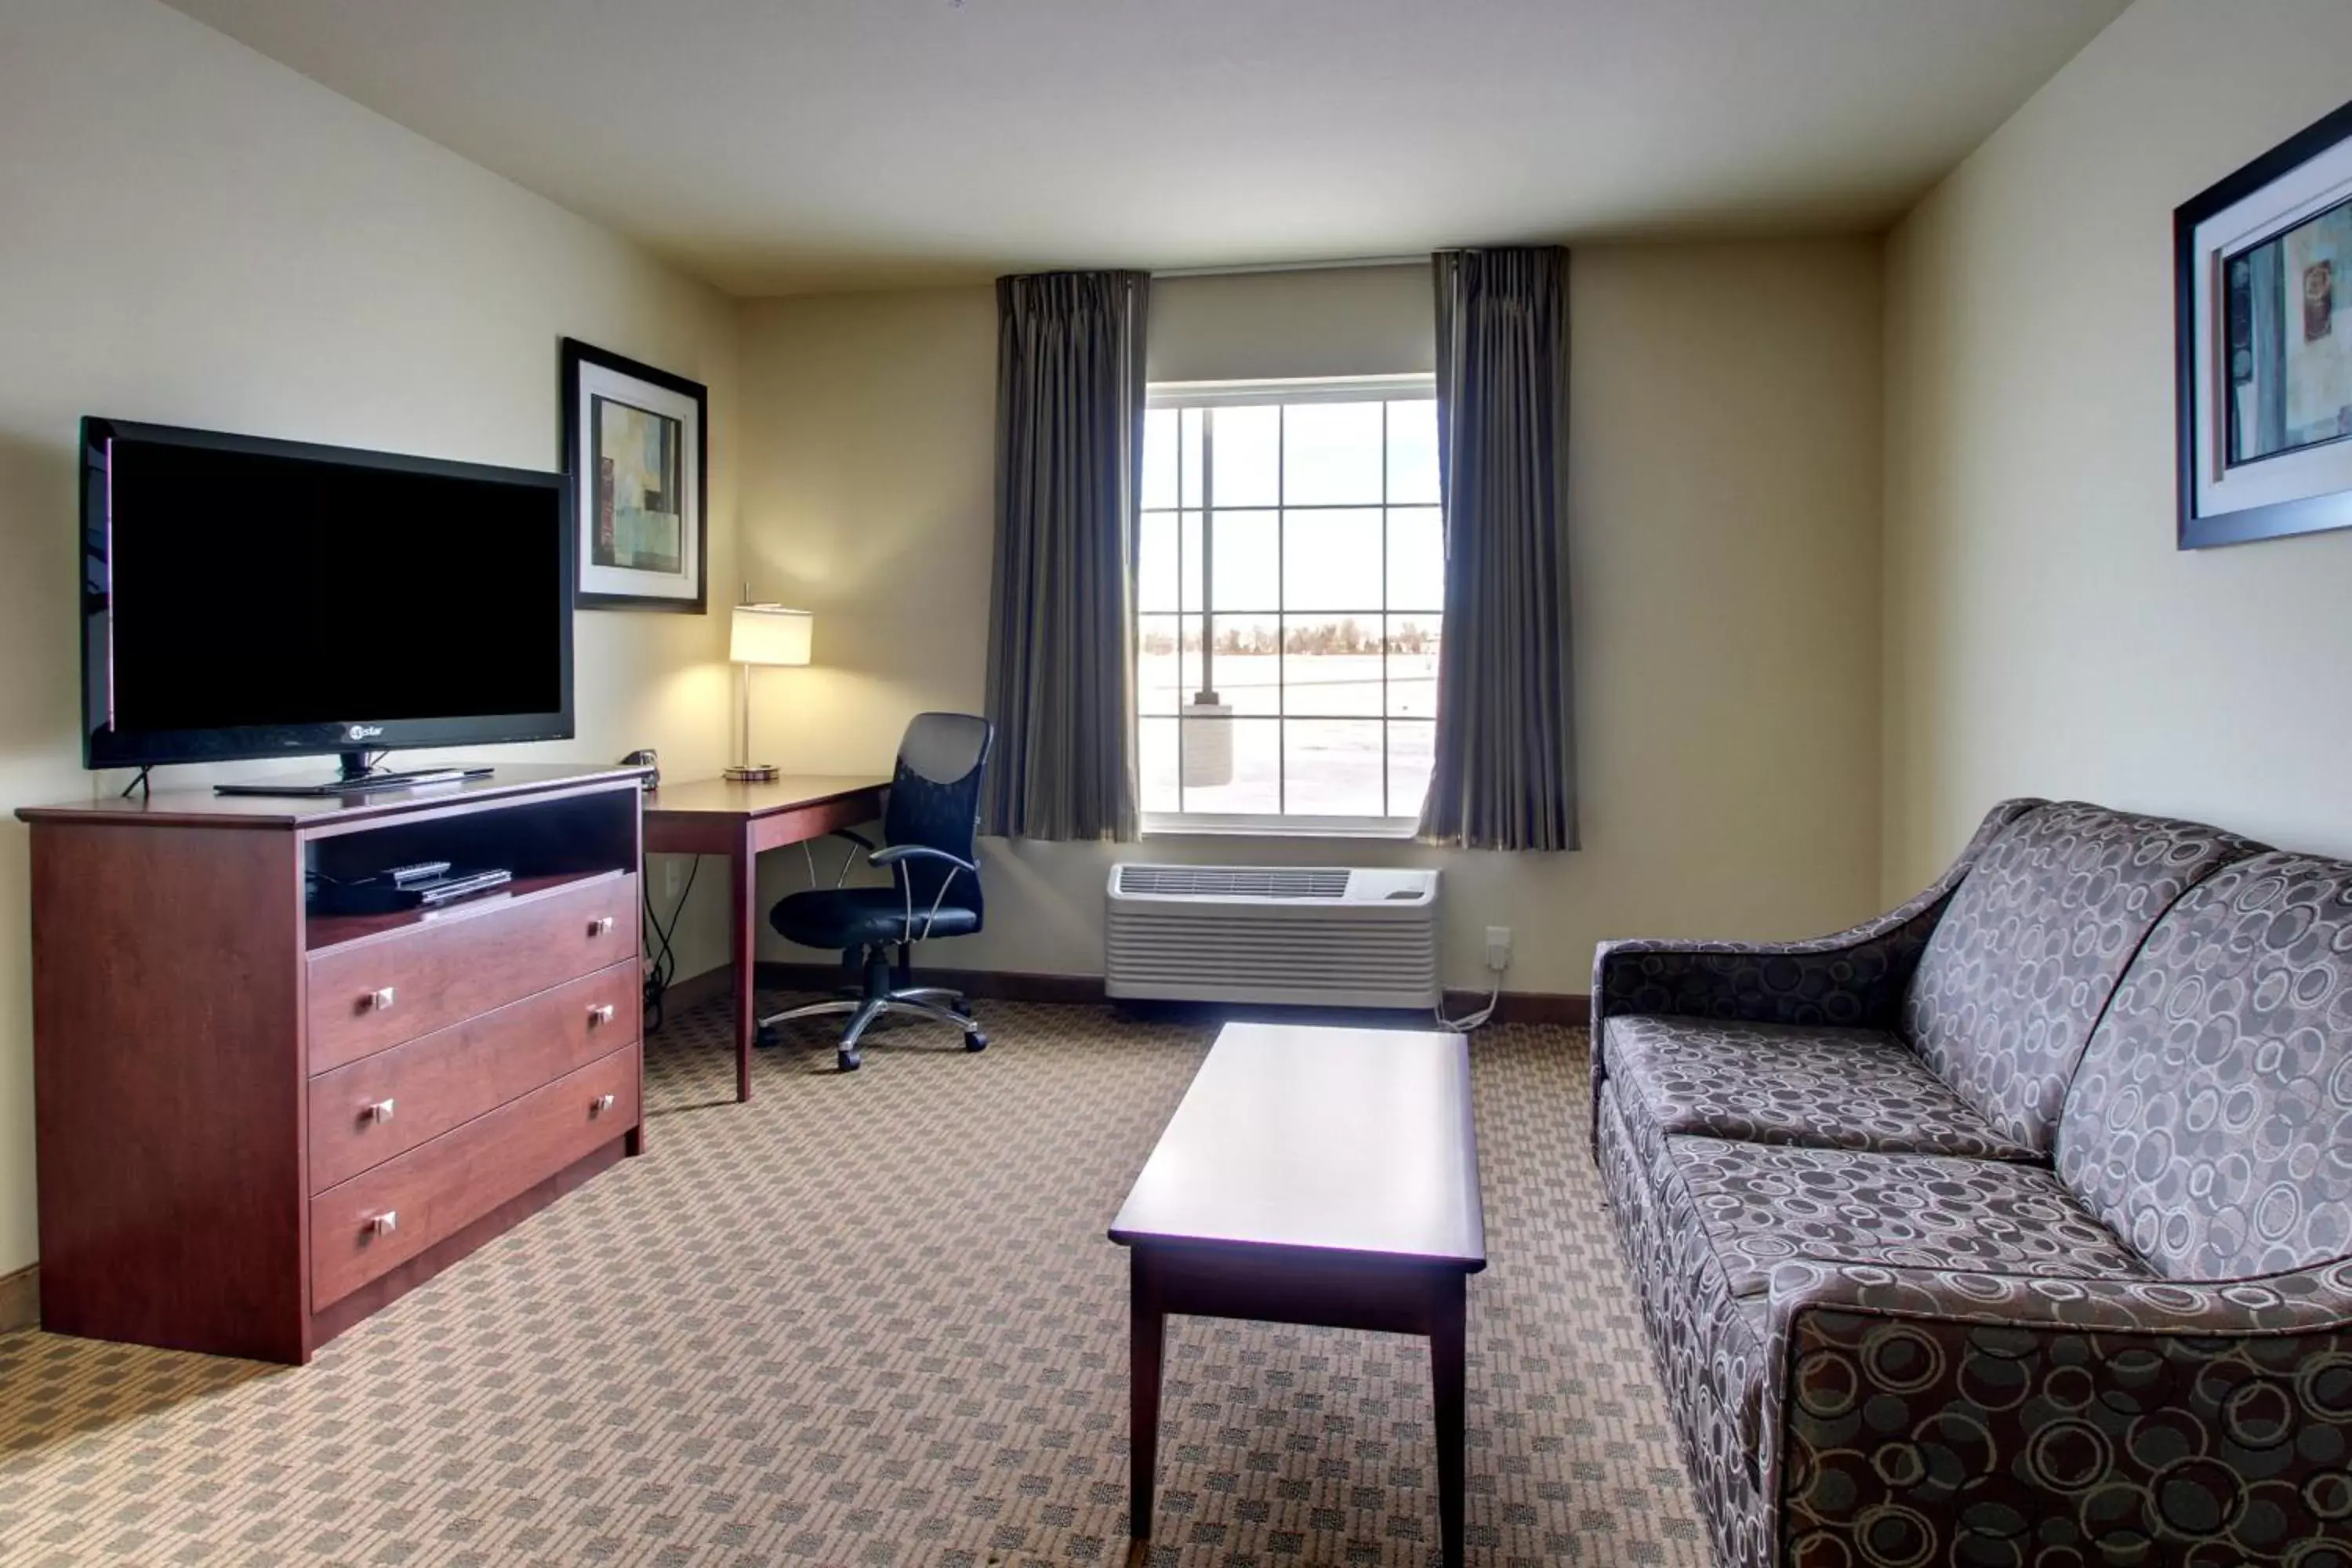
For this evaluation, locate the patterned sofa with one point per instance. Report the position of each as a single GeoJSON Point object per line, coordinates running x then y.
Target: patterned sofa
{"type": "Point", "coordinates": [2014, 1227]}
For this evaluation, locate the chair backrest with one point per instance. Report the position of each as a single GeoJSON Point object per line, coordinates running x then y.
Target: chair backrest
{"type": "Point", "coordinates": [935, 802]}
{"type": "Point", "coordinates": [2034, 944]}
{"type": "Point", "coordinates": [2211, 1126]}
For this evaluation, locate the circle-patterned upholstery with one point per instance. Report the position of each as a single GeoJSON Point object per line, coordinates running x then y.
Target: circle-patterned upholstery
{"type": "Point", "coordinates": [1953, 1419]}
{"type": "Point", "coordinates": [1764, 1205]}
{"type": "Point", "coordinates": [2030, 950]}
{"type": "Point", "coordinates": [2211, 1124]}
{"type": "Point", "coordinates": [1792, 1083]}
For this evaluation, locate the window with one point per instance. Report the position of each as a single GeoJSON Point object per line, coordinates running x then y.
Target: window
{"type": "Point", "coordinates": [1289, 587]}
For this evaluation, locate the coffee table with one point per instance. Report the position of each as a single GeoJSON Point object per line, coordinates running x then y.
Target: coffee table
{"type": "Point", "coordinates": [1311, 1175]}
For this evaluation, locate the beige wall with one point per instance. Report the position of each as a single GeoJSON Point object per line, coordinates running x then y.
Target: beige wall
{"type": "Point", "coordinates": [2044, 636]}
{"type": "Point", "coordinates": [1725, 424]}
{"type": "Point", "coordinates": [196, 236]}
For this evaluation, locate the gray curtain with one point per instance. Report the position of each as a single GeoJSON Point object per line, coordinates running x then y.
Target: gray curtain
{"type": "Point", "coordinates": [1505, 775]}
{"type": "Point", "coordinates": [1069, 450]}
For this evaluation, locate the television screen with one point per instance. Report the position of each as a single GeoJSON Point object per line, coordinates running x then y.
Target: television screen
{"type": "Point", "coordinates": [256, 598]}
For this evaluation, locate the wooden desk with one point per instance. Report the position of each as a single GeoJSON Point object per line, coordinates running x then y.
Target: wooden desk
{"type": "Point", "coordinates": [1311, 1175]}
{"type": "Point", "coordinates": [714, 816]}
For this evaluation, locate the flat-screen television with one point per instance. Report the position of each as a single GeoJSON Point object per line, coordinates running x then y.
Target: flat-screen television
{"type": "Point", "coordinates": [244, 597]}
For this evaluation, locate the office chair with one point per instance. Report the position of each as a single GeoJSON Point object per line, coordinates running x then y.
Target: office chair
{"type": "Point", "coordinates": [928, 829]}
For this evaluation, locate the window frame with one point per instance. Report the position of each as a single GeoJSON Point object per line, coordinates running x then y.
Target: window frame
{"type": "Point", "coordinates": [1291, 391]}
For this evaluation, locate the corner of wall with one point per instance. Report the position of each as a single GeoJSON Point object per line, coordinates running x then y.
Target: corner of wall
{"type": "Point", "coordinates": [2044, 635]}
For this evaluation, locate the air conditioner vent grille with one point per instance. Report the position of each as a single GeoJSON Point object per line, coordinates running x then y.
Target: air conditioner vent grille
{"type": "Point", "coordinates": [1235, 881]}
{"type": "Point", "coordinates": [1312, 935]}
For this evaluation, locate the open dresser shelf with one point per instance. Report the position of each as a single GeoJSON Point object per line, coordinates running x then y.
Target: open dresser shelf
{"type": "Point", "coordinates": [322, 934]}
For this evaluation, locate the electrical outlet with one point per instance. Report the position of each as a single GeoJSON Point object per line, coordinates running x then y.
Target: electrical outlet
{"type": "Point", "coordinates": [1498, 947]}
{"type": "Point", "coordinates": [673, 875]}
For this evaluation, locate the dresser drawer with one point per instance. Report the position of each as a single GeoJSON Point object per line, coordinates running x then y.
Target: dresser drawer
{"type": "Point", "coordinates": [388, 1103]}
{"type": "Point", "coordinates": [381, 1218]}
{"type": "Point", "coordinates": [384, 989]}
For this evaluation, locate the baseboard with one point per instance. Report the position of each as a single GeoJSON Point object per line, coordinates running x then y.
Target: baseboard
{"type": "Point", "coordinates": [20, 1299]}
{"type": "Point", "coordinates": [988, 984]}
{"type": "Point", "coordinates": [696, 989]}
{"type": "Point", "coordinates": [1524, 1007]}
{"type": "Point", "coordinates": [1009, 985]}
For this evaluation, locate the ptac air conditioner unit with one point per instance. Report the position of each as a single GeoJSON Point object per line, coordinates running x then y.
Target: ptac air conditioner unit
{"type": "Point", "coordinates": [1319, 936]}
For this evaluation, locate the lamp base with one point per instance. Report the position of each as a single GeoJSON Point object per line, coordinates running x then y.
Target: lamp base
{"type": "Point", "coordinates": [752, 773]}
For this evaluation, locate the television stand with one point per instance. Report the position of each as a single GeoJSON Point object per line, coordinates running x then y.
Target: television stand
{"type": "Point", "coordinates": [262, 1120]}
{"type": "Point", "coordinates": [355, 777]}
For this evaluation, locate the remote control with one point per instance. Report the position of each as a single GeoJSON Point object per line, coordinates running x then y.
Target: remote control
{"type": "Point", "coordinates": [463, 885]}
{"type": "Point", "coordinates": [423, 871]}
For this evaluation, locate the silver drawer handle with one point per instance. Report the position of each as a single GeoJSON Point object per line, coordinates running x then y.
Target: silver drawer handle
{"type": "Point", "coordinates": [385, 1224]}
{"type": "Point", "coordinates": [601, 926]}
{"type": "Point", "coordinates": [600, 1015]}
{"type": "Point", "coordinates": [600, 1104]}
{"type": "Point", "coordinates": [380, 1113]}
{"type": "Point", "coordinates": [379, 1001]}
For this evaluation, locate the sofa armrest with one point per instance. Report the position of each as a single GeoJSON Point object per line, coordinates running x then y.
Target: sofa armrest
{"type": "Point", "coordinates": [2163, 1421]}
{"type": "Point", "coordinates": [1855, 977]}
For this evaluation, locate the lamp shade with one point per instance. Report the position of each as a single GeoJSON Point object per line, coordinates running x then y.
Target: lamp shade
{"type": "Point", "coordinates": [771, 634]}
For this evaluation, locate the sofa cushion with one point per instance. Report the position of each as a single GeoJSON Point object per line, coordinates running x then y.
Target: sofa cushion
{"type": "Point", "coordinates": [2032, 945]}
{"type": "Point", "coordinates": [1817, 1085]}
{"type": "Point", "coordinates": [1764, 1206]}
{"type": "Point", "coordinates": [2211, 1124]}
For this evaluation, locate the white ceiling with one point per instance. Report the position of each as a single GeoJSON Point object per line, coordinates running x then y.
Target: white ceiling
{"type": "Point", "coordinates": [777, 146]}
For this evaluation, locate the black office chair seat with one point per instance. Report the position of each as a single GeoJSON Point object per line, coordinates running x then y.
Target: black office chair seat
{"type": "Point", "coordinates": [850, 918]}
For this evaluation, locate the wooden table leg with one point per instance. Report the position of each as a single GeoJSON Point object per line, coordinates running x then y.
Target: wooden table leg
{"type": "Point", "coordinates": [1148, 1336]}
{"type": "Point", "coordinates": [743, 877]}
{"type": "Point", "coordinates": [1448, 1336]}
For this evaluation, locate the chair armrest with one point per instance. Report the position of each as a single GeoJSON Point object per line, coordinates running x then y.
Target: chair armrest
{"type": "Point", "coordinates": [2206, 1422]}
{"type": "Point", "coordinates": [857, 840]}
{"type": "Point", "coordinates": [897, 852]}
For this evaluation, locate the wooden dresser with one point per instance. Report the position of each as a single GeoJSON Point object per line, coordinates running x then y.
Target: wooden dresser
{"type": "Point", "coordinates": [256, 1125]}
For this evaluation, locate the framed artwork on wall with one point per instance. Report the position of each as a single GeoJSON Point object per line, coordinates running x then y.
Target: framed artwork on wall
{"type": "Point", "coordinates": [636, 451]}
{"type": "Point", "coordinates": [2263, 296]}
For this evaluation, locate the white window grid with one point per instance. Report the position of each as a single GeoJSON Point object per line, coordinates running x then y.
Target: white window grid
{"type": "Point", "coordinates": [1211, 395]}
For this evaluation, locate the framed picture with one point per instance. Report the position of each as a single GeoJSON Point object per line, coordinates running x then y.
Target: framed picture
{"type": "Point", "coordinates": [634, 448]}
{"type": "Point", "coordinates": [2262, 285]}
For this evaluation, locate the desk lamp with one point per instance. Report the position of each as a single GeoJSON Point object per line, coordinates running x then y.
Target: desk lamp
{"type": "Point", "coordinates": [764, 634]}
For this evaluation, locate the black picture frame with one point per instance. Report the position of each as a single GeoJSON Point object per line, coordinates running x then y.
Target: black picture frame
{"type": "Point", "coordinates": [598, 586]}
{"type": "Point", "coordinates": [2308, 513]}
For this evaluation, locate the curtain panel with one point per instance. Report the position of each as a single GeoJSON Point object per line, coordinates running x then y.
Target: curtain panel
{"type": "Point", "coordinates": [1069, 451]}
{"type": "Point", "coordinates": [1504, 775]}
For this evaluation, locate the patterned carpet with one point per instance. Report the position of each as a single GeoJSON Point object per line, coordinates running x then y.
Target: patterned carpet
{"type": "Point", "coordinates": [873, 1319]}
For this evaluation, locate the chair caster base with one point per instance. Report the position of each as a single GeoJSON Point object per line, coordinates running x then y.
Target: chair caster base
{"type": "Point", "coordinates": [975, 1042]}
{"type": "Point", "coordinates": [848, 1061]}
